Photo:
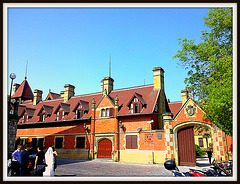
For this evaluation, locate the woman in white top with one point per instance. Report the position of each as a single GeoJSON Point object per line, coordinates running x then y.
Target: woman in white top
{"type": "Point", "coordinates": [49, 158]}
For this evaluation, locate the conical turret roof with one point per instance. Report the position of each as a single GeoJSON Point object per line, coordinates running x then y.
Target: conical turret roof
{"type": "Point", "coordinates": [24, 91]}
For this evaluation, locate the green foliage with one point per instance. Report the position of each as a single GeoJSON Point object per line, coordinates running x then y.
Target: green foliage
{"type": "Point", "coordinates": [199, 152]}
{"type": "Point", "coordinates": [209, 66]}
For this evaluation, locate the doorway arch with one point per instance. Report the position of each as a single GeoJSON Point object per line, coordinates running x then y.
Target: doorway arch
{"type": "Point", "coordinates": [179, 128]}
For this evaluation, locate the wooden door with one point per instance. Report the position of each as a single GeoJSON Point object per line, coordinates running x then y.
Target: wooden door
{"type": "Point", "coordinates": [105, 149]}
{"type": "Point", "coordinates": [186, 147]}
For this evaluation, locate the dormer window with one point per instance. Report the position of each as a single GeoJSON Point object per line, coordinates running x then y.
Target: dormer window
{"type": "Point", "coordinates": [79, 112]}
{"type": "Point", "coordinates": [42, 116]}
{"type": "Point", "coordinates": [60, 114]}
{"type": "Point", "coordinates": [25, 117]}
{"type": "Point", "coordinates": [136, 104]}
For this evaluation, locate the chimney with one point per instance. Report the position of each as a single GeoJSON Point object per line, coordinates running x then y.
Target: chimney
{"type": "Point", "coordinates": [107, 85]}
{"type": "Point", "coordinates": [62, 94]}
{"type": "Point", "coordinates": [158, 78]}
{"type": "Point", "coordinates": [15, 88]}
{"type": "Point", "coordinates": [37, 96]}
{"type": "Point", "coordinates": [184, 94]}
{"type": "Point", "coordinates": [68, 92]}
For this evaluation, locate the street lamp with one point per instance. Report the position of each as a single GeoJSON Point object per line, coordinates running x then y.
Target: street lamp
{"type": "Point", "coordinates": [12, 76]}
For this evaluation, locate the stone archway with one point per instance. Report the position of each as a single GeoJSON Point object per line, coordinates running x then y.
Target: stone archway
{"type": "Point", "coordinates": [182, 126]}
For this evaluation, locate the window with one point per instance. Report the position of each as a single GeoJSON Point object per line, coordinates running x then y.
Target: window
{"type": "Point", "coordinates": [136, 108]}
{"type": "Point", "coordinates": [80, 142]}
{"type": "Point", "coordinates": [42, 116]}
{"type": "Point", "coordinates": [60, 114]}
{"type": "Point", "coordinates": [37, 142]}
{"type": "Point", "coordinates": [79, 112]}
{"type": "Point", "coordinates": [40, 142]}
{"type": "Point", "coordinates": [59, 142]}
{"type": "Point", "coordinates": [107, 112]}
{"type": "Point", "coordinates": [25, 118]}
{"type": "Point", "coordinates": [200, 142]}
{"type": "Point", "coordinates": [34, 142]}
{"type": "Point", "coordinates": [103, 112]}
{"type": "Point", "coordinates": [131, 142]}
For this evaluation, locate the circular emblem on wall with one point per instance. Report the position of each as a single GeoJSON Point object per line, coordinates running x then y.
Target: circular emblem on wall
{"type": "Point", "coordinates": [191, 110]}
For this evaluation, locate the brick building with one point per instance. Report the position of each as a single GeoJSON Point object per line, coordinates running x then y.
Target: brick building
{"type": "Point", "coordinates": [134, 124]}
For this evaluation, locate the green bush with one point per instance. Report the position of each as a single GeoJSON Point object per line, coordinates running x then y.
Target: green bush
{"type": "Point", "coordinates": [199, 152]}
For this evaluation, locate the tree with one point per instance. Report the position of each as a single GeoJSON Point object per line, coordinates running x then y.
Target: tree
{"type": "Point", "coordinates": [209, 65]}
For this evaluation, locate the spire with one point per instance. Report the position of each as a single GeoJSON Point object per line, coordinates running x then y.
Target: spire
{"type": "Point", "coordinates": [110, 66]}
{"type": "Point", "coordinates": [26, 71]}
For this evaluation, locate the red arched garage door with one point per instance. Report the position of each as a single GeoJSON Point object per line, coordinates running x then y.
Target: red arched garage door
{"type": "Point", "coordinates": [105, 149]}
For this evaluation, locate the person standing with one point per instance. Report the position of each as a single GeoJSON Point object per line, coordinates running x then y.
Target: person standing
{"type": "Point", "coordinates": [49, 158]}
{"type": "Point", "coordinates": [209, 153]}
{"type": "Point", "coordinates": [55, 155]}
{"type": "Point", "coordinates": [16, 161]}
{"type": "Point", "coordinates": [39, 162]}
{"type": "Point", "coordinates": [25, 161]}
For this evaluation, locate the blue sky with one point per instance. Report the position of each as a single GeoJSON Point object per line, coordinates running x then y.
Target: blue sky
{"type": "Point", "coordinates": [73, 45]}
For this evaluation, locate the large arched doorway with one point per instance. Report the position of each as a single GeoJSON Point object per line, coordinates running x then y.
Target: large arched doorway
{"type": "Point", "coordinates": [186, 146]}
{"type": "Point", "coordinates": [184, 142]}
{"type": "Point", "coordinates": [105, 148]}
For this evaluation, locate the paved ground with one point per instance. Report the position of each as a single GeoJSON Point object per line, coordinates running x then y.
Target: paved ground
{"type": "Point", "coordinates": [104, 168]}
{"type": "Point", "coordinates": [96, 168]}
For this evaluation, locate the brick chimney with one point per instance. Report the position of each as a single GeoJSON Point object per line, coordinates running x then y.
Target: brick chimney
{"type": "Point", "coordinates": [68, 92]}
{"type": "Point", "coordinates": [158, 78]}
{"type": "Point", "coordinates": [37, 96]}
{"type": "Point", "coordinates": [184, 94]}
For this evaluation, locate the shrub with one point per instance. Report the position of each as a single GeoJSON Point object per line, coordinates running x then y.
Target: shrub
{"type": "Point", "coordinates": [199, 152]}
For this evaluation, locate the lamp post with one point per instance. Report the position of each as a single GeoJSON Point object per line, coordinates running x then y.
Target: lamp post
{"type": "Point", "coordinates": [12, 76]}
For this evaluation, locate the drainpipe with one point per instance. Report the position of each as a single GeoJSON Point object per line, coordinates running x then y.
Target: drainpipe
{"type": "Point", "coordinates": [118, 130]}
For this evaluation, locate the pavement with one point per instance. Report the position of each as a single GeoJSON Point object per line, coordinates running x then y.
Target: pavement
{"type": "Point", "coordinates": [201, 163]}
{"type": "Point", "coordinates": [108, 168]}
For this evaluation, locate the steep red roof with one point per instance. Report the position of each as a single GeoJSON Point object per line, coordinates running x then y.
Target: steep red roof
{"type": "Point", "coordinates": [146, 92]}
{"type": "Point", "coordinates": [24, 91]}
{"type": "Point", "coordinates": [52, 96]}
{"type": "Point", "coordinates": [175, 107]}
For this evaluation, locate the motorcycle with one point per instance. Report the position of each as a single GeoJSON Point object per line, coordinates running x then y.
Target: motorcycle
{"type": "Point", "coordinates": [218, 169]}
{"type": "Point", "coordinates": [171, 166]}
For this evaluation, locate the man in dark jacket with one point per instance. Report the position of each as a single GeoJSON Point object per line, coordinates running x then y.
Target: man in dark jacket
{"type": "Point", "coordinates": [209, 153]}
{"type": "Point", "coordinates": [25, 161]}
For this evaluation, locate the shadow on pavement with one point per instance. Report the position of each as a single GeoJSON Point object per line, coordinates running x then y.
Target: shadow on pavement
{"type": "Point", "coordinates": [65, 175]}
{"type": "Point", "coordinates": [69, 161]}
{"type": "Point", "coordinates": [203, 165]}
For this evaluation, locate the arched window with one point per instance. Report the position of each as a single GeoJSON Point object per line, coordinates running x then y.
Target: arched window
{"type": "Point", "coordinates": [107, 112]}
{"type": "Point", "coordinates": [103, 113]}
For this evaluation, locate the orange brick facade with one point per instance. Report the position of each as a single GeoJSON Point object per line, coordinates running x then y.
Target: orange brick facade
{"type": "Point", "coordinates": [128, 125]}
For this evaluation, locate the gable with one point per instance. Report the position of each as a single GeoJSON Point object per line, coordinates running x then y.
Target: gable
{"type": "Point", "coordinates": [139, 97]}
{"type": "Point", "coordinates": [190, 109]}
{"type": "Point", "coordinates": [106, 102]}
{"type": "Point", "coordinates": [84, 104]}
